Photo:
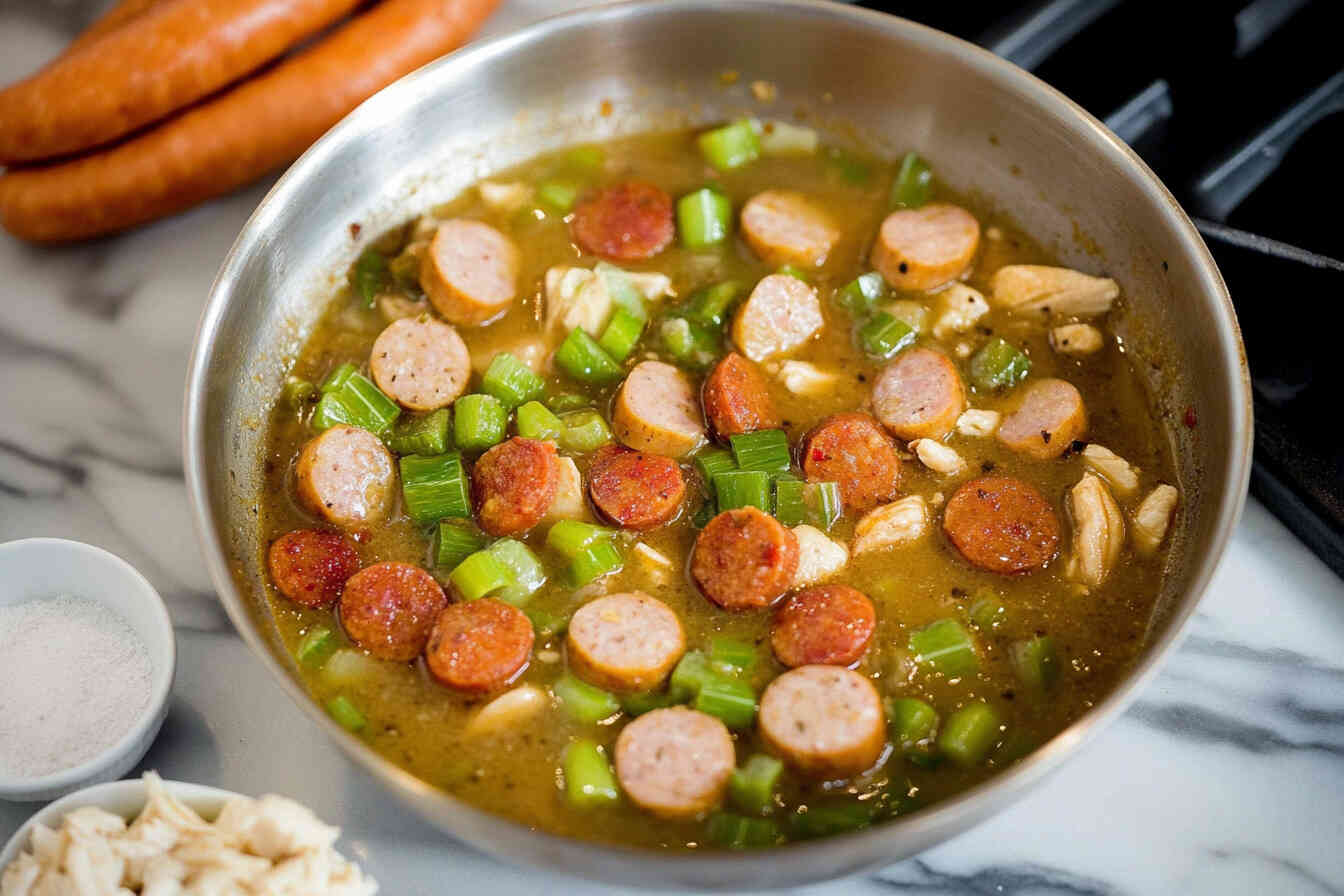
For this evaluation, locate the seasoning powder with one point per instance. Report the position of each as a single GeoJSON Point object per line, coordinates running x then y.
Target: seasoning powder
{"type": "Point", "coordinates": [74, 678]}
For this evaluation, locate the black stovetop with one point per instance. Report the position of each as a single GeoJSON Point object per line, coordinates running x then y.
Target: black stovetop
{"type": "Point", "coordinates": [1236, 106]}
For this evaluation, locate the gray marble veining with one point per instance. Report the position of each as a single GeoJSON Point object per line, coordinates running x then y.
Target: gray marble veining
{"type": "Point", "coordinates": [1227, 776]}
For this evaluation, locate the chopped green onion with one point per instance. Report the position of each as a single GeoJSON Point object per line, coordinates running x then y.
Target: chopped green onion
{"type": "Point", "coordinates": [910, 722]}
{"type": "Point", "coordinates": [567, 401]}
{"type": "Point", "coordinates": [731, 701]}
{"type": "Point", "coordinates": [344, 711]}
{"type": "Point", "coordinates": [584, 702]}
{"type": "Point", "coordinates": [732, 831]}
{"type": "Point", "coordinates": [589, 782]}
{"type": "Point", "coordinates": [426, 434]}
{"type": "Point", "coordinates": [584, 431]}
{"type": "Point", "coordinates": [824, 504]}
{"type": "Point", "coordinates": [558, 195]}
{"type": "Point", "coordinates": [479, 421]}
{"type": "Point", "coordinates": [480, 574]}
{"type": "Point", "coordinates": [913, 184]}
{"type": "Point", "coordinates": [969, 733]}
{"type": "Point", "coordinates": [593, 562]}
{"type": "Point", "coordinates": [298, 391]}
{"type": "Point", "coordinates": [944, 646]}
{"type": "Point", "coordinates": [357, 402]}
{"type": "Point", "coordinates": [454, 541]}
{"type": "Point", "coordinates": [638, 704]}
{"type": "Point", "coordinates": [709, 305]}
{"type": "Point", "coordinates": [704, 218]}
{"type": "Point", "coordinates": [987, 613]}
{"type": "Point", "coordinates": [689, 342]}
{"type": "Point", "coordinates": [999, 365]}
{"type": "Point", "coordinates": [712, 461]}
{"type": "Point", "coordinates": [582, 358]}
{"type": "Point", "coordinates": [568, 538]}
{"type": "Point", "coordinates": [434, 488]}
{"type": "Point", "coordinates": [912, 313]}
{"type": "Point", "coordinates": [316, 644]}
{"type": "Point", "coordinates": [789, 506]}
{"type": "Point", "coordinates": [528, 573]}
{"type": "Point", "coordinates": [336, 379]}
{"type": "Point", "coordinates": [546, 623]}
{"type": "Point", "coordinates": [586, 159]}
{"type": "Point", "coordinates": [622, 332]}
{"type": "Point", "coordinates": [883, 335]}
{"type": "Point", "coordinates": [792, 270]}
{"type": "Point", "coordinates": [725, 651]}
{"type": "Point", "coordinates": [742, 488]}
{"type": "Point", "coordinates": [536, 422]}
{"type": "Point", "coordinates": [764, 449]}
{"type": "Point", "coordinates": [690, 675]}
{"type": "Point", "coordinates": [752, 787]}
{"type": "Point", "coordinates": [850, 169]}
{"type": "Point", "coordinates": [511, 381]}
{"type": "Point", "coordinates": [730, 146]}
{"type": "Point", "coordinates": [859, 295]}
{"type": "Point", "coordinates": [1037, 663]}
{"type": "Point", "coordinates": [369, 275]}
{"type": "Point", "coordinates": [829, 819]}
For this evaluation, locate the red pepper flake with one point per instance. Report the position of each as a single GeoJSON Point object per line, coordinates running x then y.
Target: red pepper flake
{"type": "Point", "coordinates": [1190, 420]}
{"type": "Point", "coordinates": [355, 228]}
{"type": "Point", "coordinates": [819, 455]}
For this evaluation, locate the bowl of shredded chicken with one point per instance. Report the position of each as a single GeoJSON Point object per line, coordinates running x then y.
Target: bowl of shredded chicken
{"type": "Point", "coordinates": [152, 837]}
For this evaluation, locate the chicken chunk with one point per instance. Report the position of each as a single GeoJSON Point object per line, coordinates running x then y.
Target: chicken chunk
{"type": "Point", "coordinates": [819, 556]}
{"type": "Point", "coordinates": [1051, 291]}
{"type": "Point", "coordinates": [899, 522]}
{"type": "Point", "coordinates": [1077, 340]}
{"type": "Point", "coordinates": [1123, 478]}
{"type": "Point", "coordinates": [1098, 531]}
{"type": "Point", "coordinates": [938, 457]}
{"type": "Point", "coordinates": [1153, 517]}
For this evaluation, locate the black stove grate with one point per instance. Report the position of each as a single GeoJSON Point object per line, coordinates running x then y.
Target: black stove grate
{"type": "Point", "coordinates": [1236, 106]}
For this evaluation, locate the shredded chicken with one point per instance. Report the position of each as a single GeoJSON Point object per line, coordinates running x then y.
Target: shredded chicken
{"type": "Point", "coordinates": [957, 307]}
{"type": "Point", "coordinates": [504, 197]}
{"type": "Point", "coordinates": [1153, 517]}
{"type": "Point", "coordinates": [819, 556]}
{"type": "Point", "coordinates": [892, 524]}
{"type": "Point", "coordinates": [979, 423]}
{"type": "Point", "coordinates": [1123, 478]}
{"type": "Point", "coordinates": [938, 457]}
{"type": "Point", "coordinates": [568, 502]}
{"type": "Point", "coordinates": [506, 710]}
{"type": "Point", "coordinates": [578, 297]}
{"type": "Point", "coordinates": [1077, 340]}
{"type": "Point", "coordinates": [1098, 531]}
{"type": "Point", "coordinates": [802, 378]}
{"type": "Point", "coordinates": [1058, 292]}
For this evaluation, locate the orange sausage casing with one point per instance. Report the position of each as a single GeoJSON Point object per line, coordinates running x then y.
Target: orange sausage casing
{"type": "Point", "coordinates": [151, 65]}
{"type": "Point", "coordinates": [120, 13]}
{"type": "Point", "coordinates": [238, 136]}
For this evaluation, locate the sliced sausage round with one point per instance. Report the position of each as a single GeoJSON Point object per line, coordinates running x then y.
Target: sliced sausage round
{"type": "Point", "coordinates": [635, 489]}
{"type": "Point", "coordinates": [825, 721]}
{"type": "Point", "coordinates": [470, 271]}
{"type": "Point", "coordinates": [390, 608]}
{"type": "Point", "coordinates": [923, 248]}
{"type": "Point", "coordinates": [624, 642]}
{"type": "Point", "coordinates": [656, 411]}
{"type": "Point", "coordinates": [784, 227]}
{"type": "Point", "coordinates": [310, 567]}
{"type": "Point", "coordinates": [421, 363]}
{"type": "Point", "coordinates": [736, 399]}
{"type": "Point", "coordinates": [781, 314]}
{"type": "Point", "coordinates": [1002, 524]}
{"type": "Point", "coordinates": [479, 646]}
{"type": "Point", "coordinates": [827, 625]}
{"type": "Point", "coordinates": [919, 395]}
{"type": "Point", "coordinates": [744, 559]}
{"type": "Point", "coordinates": [675, 762]}
{"type": "Point", "coordinates": [1050, 418]}
{"type": "Point", "coordinates": [853, 450]}
{"type": "Point", "coordinates": [513, 485]}
{"type": "Point", "coordinates": [624, 222]}
{"type": "Point", "coordinates": [347, 476]}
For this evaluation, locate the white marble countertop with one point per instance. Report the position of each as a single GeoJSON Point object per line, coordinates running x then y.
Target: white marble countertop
{"type": "Point", "coordinates": [1227, 776]}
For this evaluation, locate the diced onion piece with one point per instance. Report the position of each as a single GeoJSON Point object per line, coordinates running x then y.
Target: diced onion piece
{"type": "Point", "coordinates": [957, 309]}
{"type": "Point", "coordinates": [892, 524]}
{"type": "Point", "coordinates": [504, 197]}
{"type": "Point", "coordinates": [1153, 517]}
{"type": "Point", "coordinates": [1058, 292]}
{"type": "Point", "coordinates": [1123, 478]}
{"type": "Point", "coordinates": [938, 457]}
{"type": "Point", "coordinates": [819, 556]}
{"type": "Point", "coordinates": [507, 710]}
{"type": "Point", "coordinates": [1078, 340]}
{"type": "Point", "coordinates": [802, 378]}
{"type": "Point", "coordinates": [1098, 531]}
{"type": "Point", "coordinates": [979, 423]}
{"type": "Point", "coordinates": [780, 138]}
{"type": "Point", "coordinates": [651, 556]}
{"type": "Point", "coordinates": [568, 502]}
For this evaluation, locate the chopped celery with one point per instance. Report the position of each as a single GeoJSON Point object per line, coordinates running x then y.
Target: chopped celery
{"type": "Point", "coordinates": [527, 572]}
{"type": "Point", "coordinates": [546, 623]}
{"type": "Point", "coordinates": [582, 358]}
{"type": "Point", "coordinates": [969, 733]}
{"type": "Point", "coordinates": [370, 275]}
{"type": "Point", "coordinates": [589, 782]}
{"type": "Point", "coordinates": [454, 541]}
{"type": "Point", "coordinates": [316, 645]}
{"type": "Point", "coordinates": [714, 460]}
{"type": "Point", "coordinates": [479, 422]}
{"type": "Point", "coordinates": [911, 313]}
{"type": "Point", "coordinates": [638, 704]}
{"type": "Point", "coordinates": [621, 333]}
{"type": "Point", "coordinates": [752, 786]}
{"type": "Point", "coordinates": [689, 342]}
{"type": "Point", "coordinates": [434, 488]}
{"type": "Point", "coordinates": [344, 711]}
{"type": "Point", "coordinates": [764, 449]}
{"type": "Point", "coordinates": [594, 561]}
{"type": "Point", "coordinates": [511, 381]}
{"type": "Point", "coordinates": [567, 401]}
{"type": "Point", "coordinates": [987, 613]}
{"type": "Point", "coordinates": [336, 379]}
{"type": "Point", "coordinates": [356, 401]}
{"type": "Point", "coordinates": [558, 195]}
{"type": "Point", "coordinates": [913, 184]}
{"type": "Point", "coordinates": [584, 431]}
{"type": "Point", "coordinates": [851, 169]}
{"type": "Point", "coordinates": [298, 391]}
{"type": "Point", "coordinates": [426, 434]}
{"type": "Point", "coordinates": [829, 819]}
{"type": "Point", "coordinates": [730, 700]}
{"type": "Point", "coordinates": [1037, 663]}
{"type": "Point", "coordinates": [480, 575]}
{"type": "Point", "coordinates": [732, 831]}
{"type": "Point", "coordinates": [797, 273]}
{"type": "Point", "coordinates": [742, 488]}
{"type": "Point", "coordinates": [824, 504]}
{"type": "Point", "coordinates": [790, 508]}
{"type": "Point", "coordinates": [732, 652]}
{"type": "Point", "coordinates": [910, 722]}
{"type": "Point", "coordinates": [704, 218]}
{"type": "Point", "coordinates": [709, 305]}
{"type": "Point", "coordinates": [586, 159]}
{"type": "Point", "coordinates": [859, 295]}
{"type": "Point", "coordinates": [584, 702]}
{"type": "Point", "coordinates": [999, 365]}
{"type": "Point", "coordinates": [568, 538]}
{"type": "Point", "coordinates": [536, 422]}
{"type": "Point", "coordinates": [690, 674]}
{"type": "Point", "coordinates": [731, 146]}
{"type": "Point", "coordinates": [944, 646]}
{"type": "Point", "coordinates": [883, 335]}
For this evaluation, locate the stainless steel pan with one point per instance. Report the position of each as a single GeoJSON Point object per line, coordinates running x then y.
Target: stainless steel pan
{"type": "Point", "coordinates": [991, 129]}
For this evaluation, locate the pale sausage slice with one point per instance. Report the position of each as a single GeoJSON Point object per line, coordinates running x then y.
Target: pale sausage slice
{"type": "Point", "coordinates": [1050, 418]}
{"type": "Point", "coordinates": [781, 314]}
{"type": "Point", "coordinates": [656, 411]}
{"type": "Point", "coordinates": [675, 762]}
{"type": "Point", "coordinates": [624, 642]}
{"type": "Point", "coordinates": [470, 271]}
{"type": "Point", "coordinates": [825, 721]}
{"type": "Point", "coordinates": [784, 227]}
{"type": "Point", "coordinates": [923, 248]}
{"type": "Point", "coordinates": [919, 395]}
{"type": "Point", "coordinates": [346, 476]}
{"type": "Point", "coordinates": [421, 363]}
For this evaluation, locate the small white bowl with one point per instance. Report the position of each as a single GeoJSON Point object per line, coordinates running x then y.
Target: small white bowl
{"type": "Point", "coordinates": [46, 567]}
{"type": "Point", "coordinates": [124, 798]}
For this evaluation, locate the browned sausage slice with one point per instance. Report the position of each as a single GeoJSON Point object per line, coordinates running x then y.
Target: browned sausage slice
{"type": "Point", "coordinates": [635, 489]}
{"type": "Point", "coordinates": [825, 721]}
{"type": "Point", "coordinates": [853, 450]}
{"type": "Point", "coordinates": [784, 227]}
{"type": "Point", "coordinates": [346, 475]}
{"type": "Point", "coordinates": [919, 395]}
{"type": "Point", "coordinates": [513, 485]}
{"type": "Point", "coordinates": [624, 642]}
{"type": "Point", "coordinates": [421, 363]}
{"type": "Point", "coordinates": [469, 271]}
{"type": "Point", "coordinates": [825, 625]}
{"type": "Point", "coordinates": [1049, 419]}
{"type": "Point", "coordinates": [924, 248]}
{"type": "Point", "coordinates": [675, 762]}
{"type": "Point", "coordinates": [310, 567]}
{"type": "Point", "coordinates": [744, 559]}
{"type": "Point", "coordinates": [624, 222]}
{"type": "Point", "coordinates": [1002, 524]}
{"type": "Point", "coordinates": [390, 608]}
{"type": "Point", "coordinates": [736, 399]}
{"type": "Point", "coordinates": [479, 646]}
{"type": "Point", "coordinates": [656, 411]}
{"type": "Point", "coordinates": [781, 314]}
